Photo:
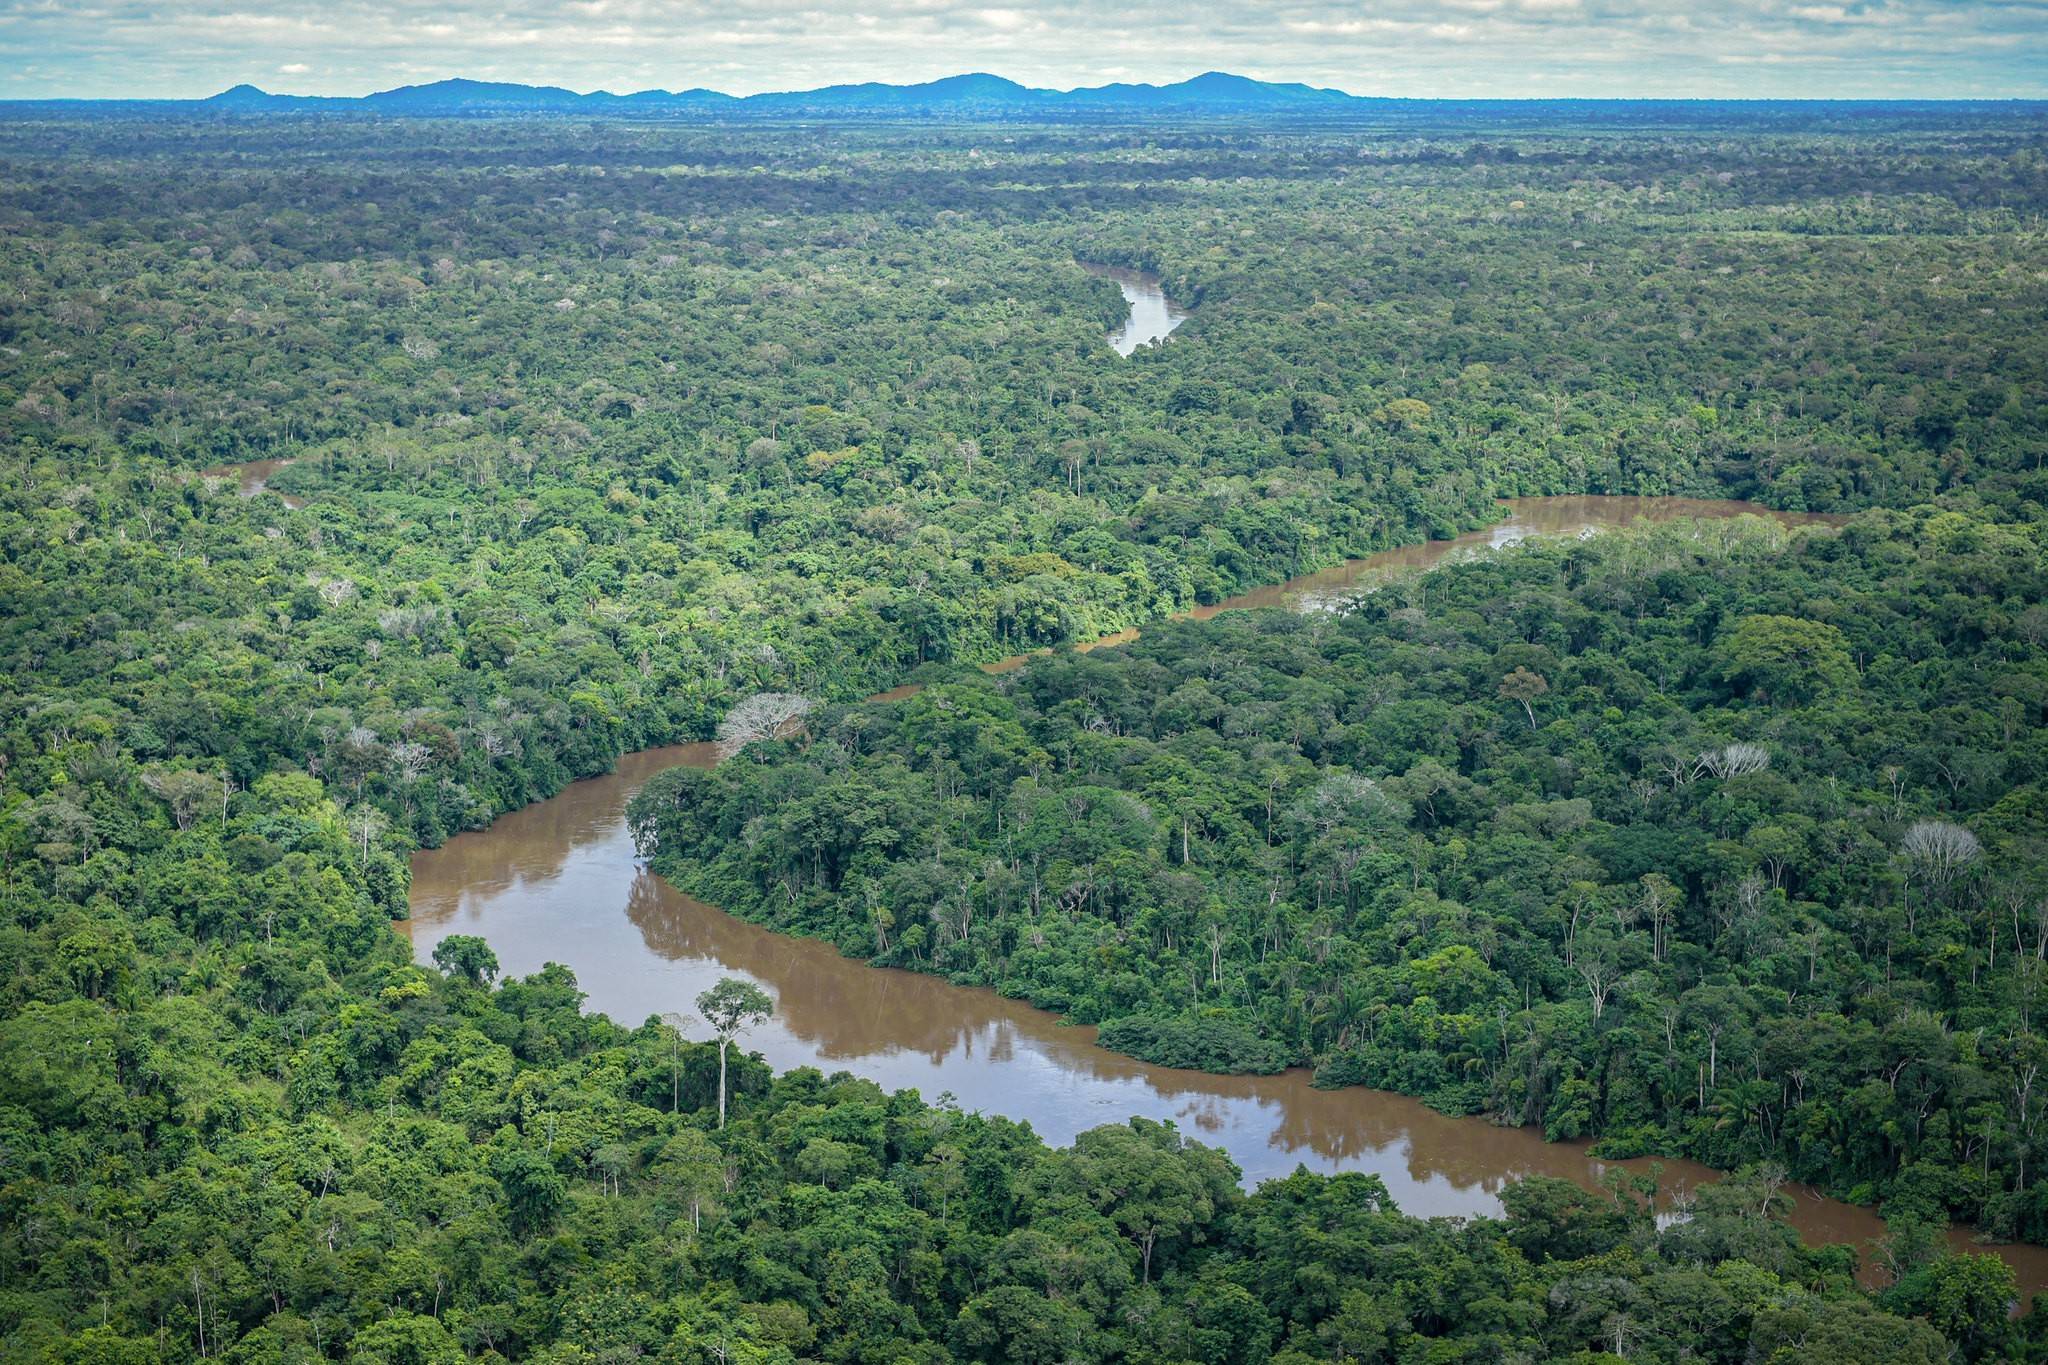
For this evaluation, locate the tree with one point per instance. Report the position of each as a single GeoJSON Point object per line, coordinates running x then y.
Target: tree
{"type": "Point", "coordinates": [731, 1007]}
{"type": "Point", "coordinates": [366, 823]}
{"type": "Point", "coordinates": [468, 957]}
{"type": "Point", "coordinates": [1599, 968]}
{"type": "Point", "coordinates": [1404, 412]}
{"type": "Point", "coordinates": [1786, 658]}
{"type": "Point", "coordinates": [1011, 1323]}
{"type": "Point", "coordinates": [1735, 760]}
{"type": "Point", "coordinates": [1969, 1298]}
{"type": "Point", "coordinates": [1659, 901]}
{"type": "Point", "coordinates": [1524, 686]}
{"type": "Point", "coordinates": [1939, 850]}
{"type": "Point", "coordinates": [672, 1024]}
{"type": "Point", "coordinates": [405, 1339]}
{"type": "Point", "coordinates": [1149, 1182]}
{"type": "Point", "coordinates": [1810, 1330]}
{"type": "Point", "coordinates": [765, 715]}
{"type": "Point", "coordinates": [1552, 1219]}
{"type": "Point", "coordinates": [186, 793]}
{"type": "Point", "coordinates": [691, 1165]}
{"type": "Point", "coordinates": [534, 1190]}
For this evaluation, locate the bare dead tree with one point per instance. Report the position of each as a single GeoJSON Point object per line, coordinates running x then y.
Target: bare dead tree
{"type": "Point", "coordinates": [494, 742]}
{"type": "Point", "coordinates": [765, 715]}
{"type": "Point", "coordinates": [1940, 849]}
{"type": "Point", "coordinates": [1734, 760]}
{"type": "Point", "coordinates": [1938, 852]}
{"type": "Point", "coordinates": [409, 760]}
{"type": "Point", "coordinates": [366, 823]}
{"type": "Point", "coordinates": [1660, 906]}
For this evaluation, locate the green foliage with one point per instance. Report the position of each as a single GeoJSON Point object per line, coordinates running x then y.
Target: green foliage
{"type": "Point", "coordinates": [468, 957]}
{"type": "Point", "coordinates": [1210, 1041]}
{"type": "Point", "coordinates": [600, 432]}
{"type": "Point", "coordinates": [1786, 658]}
{"type": "Point", "coordinates": [1651, 910]}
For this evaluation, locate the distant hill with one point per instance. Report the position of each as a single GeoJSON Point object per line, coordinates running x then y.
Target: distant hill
{"type": "Point", "coordinates": [974, 94]}
{"type": "Point", "coordinates": [981, 96]}
{"type": "Point", "coordinates": [1217, 90]}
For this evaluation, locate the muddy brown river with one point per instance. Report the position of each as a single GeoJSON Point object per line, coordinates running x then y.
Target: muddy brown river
{"type": "Point", "coordinates": [559, 882]}
{"type": "Point", "coordinates": [253, 476]}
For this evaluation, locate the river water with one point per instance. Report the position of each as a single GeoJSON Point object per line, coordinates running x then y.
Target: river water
{"type": "Point", "coordinates": [559, 882]}
{"type": "Point", "coordinates": [1331, 588]}
{"type": "Point", "coordinates": [1152, 314]}
{"type": "Point", "coordinates": [253, 476]}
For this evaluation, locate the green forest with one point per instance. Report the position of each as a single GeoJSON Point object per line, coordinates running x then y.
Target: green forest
{"type": "Point", "coordinates": [1713, 840]}
{"type": "Point", "coordinates": [1599, 836]}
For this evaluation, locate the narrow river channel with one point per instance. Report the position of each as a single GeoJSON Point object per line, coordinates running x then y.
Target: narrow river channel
{"type": "Point", "coordinates": [1153, 315]}
{"type": "Point", "coordinates": [559, 882]}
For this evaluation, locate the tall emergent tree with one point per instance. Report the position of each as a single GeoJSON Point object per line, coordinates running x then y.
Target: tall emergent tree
{"type": "Point", "coordinates": [731, 1008]}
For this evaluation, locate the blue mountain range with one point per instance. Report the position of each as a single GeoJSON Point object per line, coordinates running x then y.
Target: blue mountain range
{"type": "Point", "coordinates": [975, 94]}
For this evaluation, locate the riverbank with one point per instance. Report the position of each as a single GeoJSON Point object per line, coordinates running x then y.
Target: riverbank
{"type": "Point", "coordinates": [559, 881]}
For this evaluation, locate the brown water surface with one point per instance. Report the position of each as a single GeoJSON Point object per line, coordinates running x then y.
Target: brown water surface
{"type": "Point", "coordinates": [1153, 316]}
{"type": "Point", "coordinates": [1525, 517]}
{"type": "Point", "coordinates": [1583, 515]}
{"type": "Point", "coordinates": [253, 476]}
{"type": "Point", "coordinates": [559, 882]}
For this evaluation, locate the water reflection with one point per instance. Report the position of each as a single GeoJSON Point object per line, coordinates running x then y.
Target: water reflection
{"type": "Point", "coordinates": [559, 882]}
{"type": "Point", "coordinates": [1153, 315]}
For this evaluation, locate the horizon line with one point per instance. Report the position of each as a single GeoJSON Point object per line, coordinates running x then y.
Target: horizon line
{"type": "Point", "coordinates": [707, 91]}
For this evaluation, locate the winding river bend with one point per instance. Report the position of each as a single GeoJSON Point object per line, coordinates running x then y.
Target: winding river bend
{"type": "Point", "coordinates": [559, 882]}
{"type": "Point", "coordinates": [1153, 315]}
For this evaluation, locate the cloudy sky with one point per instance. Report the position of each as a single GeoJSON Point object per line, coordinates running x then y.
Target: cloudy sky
{"type": "Point", "coordinates": [1793, 48]}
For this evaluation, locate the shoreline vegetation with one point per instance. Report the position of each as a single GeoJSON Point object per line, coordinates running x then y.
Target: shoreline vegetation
{"type": "Point", "coordinates": [976, 856]}
{"type": "Point", "coordinates": [1710, 845]}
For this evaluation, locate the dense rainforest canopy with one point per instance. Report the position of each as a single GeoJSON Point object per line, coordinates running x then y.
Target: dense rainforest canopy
{"type": "Point", "coordinates": [1607, 836]}
{"type": "Point", "coordinates": [1703, 841]}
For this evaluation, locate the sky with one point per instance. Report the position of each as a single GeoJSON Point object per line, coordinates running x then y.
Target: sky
{"type": "Point", "coordinates": [1419, 48]}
